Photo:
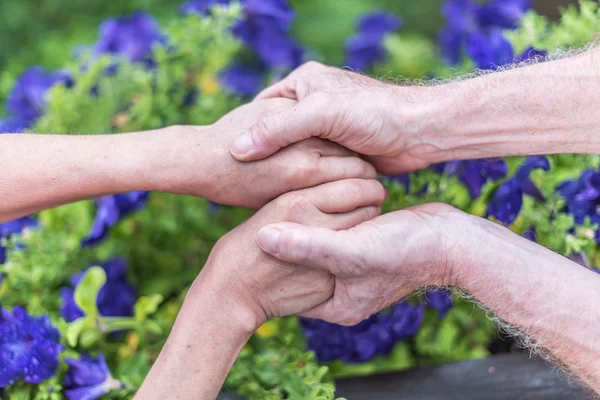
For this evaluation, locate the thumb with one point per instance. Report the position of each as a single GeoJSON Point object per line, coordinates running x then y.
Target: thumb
{"type": "Point", "coordinates": [270, 134]}
{"type": "Point", "coordinates": [311, 246]}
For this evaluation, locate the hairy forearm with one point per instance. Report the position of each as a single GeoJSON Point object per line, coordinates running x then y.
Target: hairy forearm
{"type": "Point", "coordinates": [549, 299]}
{"type": "Point", "coordinates": [544, 108]}
{"type": "Point", "coordinates": [206, 339]}
{"type": "Point", "coordinates": [43, 171]}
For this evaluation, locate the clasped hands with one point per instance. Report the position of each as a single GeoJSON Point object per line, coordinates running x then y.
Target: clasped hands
{"type": "Point", "coordinates": [306, 153]}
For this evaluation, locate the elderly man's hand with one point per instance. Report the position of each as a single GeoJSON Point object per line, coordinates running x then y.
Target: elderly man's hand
{"type": "Point", "coordinates": [202, 165]}
{"type": "Point", "coordinates": [378, 262]}
{"type": "Point", "coordinates": [261, 286]}
{"type": "Point", "coordinates": [370, 117]}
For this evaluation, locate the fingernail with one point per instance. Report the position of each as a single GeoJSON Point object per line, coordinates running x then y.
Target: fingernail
{"type": "Point", "coordinates": [242, 145]}
{"type": "Point", "coordinates": [268, 240]}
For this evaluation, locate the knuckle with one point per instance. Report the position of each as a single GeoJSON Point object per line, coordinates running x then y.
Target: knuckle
{"type": "Point", "coordinates": [313, 66]}
{"type": "Point", "coordinates": [294, 207]}
{"type": "Point", "coordinates": [304, 171]}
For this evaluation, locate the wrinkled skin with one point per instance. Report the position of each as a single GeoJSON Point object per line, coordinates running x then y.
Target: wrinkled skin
{"type": "Point", "coordinates": [227, 181]}
{"type": "Point", "coordinates": [365, 115]}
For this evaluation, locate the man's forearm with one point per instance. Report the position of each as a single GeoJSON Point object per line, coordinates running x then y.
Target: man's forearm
{"type": "Point", "coordinates": [42, 171]}
{"type": "Point", "coordinates": [550, 299]}
{"type": "Point", "coordinates": [546, 108]}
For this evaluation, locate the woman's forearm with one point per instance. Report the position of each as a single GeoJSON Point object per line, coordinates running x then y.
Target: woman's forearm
{"type": "Point", "coordinates": [43, 171]}
{"type": "Point", "coordinates": [550, 299]}
{"type": "Point", "coordinates": [206, 339]}
{"type": "Point", "coordinates": [546, 108]}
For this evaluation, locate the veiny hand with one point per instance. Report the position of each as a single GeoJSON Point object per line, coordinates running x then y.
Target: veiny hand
{"type": "Point", "coordinates": [373, 118]}
{"type": "Point", "coordinates": [227, 181]}
{"type": "Point", "coordinates": [377, 262]}
{"type": "Point", "coordinates": [263, 286]}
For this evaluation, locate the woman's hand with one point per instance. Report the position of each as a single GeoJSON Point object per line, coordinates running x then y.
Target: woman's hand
{"type": "Point", "coordinates": [202, 165]}
{"type": "Point", "coordinates": [241, 286]}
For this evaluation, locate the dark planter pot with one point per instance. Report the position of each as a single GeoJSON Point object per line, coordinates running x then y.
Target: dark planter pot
{"type": "Point", "coordinates": [499, 377]}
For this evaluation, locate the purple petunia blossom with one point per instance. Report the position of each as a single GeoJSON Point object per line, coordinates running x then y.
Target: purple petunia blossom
{"type": "Point", "coordinates": [365, 48]}
{"type": "Point", "coordinates": [243, 80]}
{"type": "Point", "coordinates": [116, 298]}
{"type": "Point", "coordinates": [502, 13]}
{"type": "Point", "coordinates": [29, 347]}
{"type": "Point", "coordinates": [27, 100]}
{"type": "Point", "coordinates": [264, 28]}
{"type": "Point", "coordinates": [110, 210]}
{"type": "Point", "coordinates": [15, 227]}
{"type": "Point", "coordinates": [489, 50]}
{"type": "Point", "coordinates": [477, 28]}
{"type": "Point", "coordinates": [440, 300]}
{"type": "Point", "coordinates": [474, 173]}
{"type": "Point", "coordinates": [13, 125]}
{"type": "Point", "coordinates": [583, 198]}
{"type": "Point", "coordinates": [89, 378]}
{"type": "Point", "coordinates": [132, 37]}
{"type": "Point", "coordinates": [374, 336]}
{"type": "Point", "coordinates": [507, 201]}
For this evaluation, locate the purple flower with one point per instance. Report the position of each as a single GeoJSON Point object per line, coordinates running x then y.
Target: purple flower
{"type": "Point", "coordinates": [13, 125]}
{"type": "Point", "coordinates": [507, 201]}
{"type": "Point", "coordinates": [530, 234]}
{"type": "Point", "coordinates": [531, 53]}
{"type": "Point", "coordinates": [583, 198]}
{"type": "Point", "coordinates": [264, 29]}
{"type": "Point", "coordinates": [440, 300]}
{"type": "Point", "coordinates": [201, 7]}
{"type": "Point", "coordinates": [243, 80]}
{"type": "Point", "coordinates": [15, 227]}
{"type": "Point", "coordinates": [478, 29]}
{"type": "Point", "coordinates": [116, 298]}
{"type": "Point", "coordinates": [489, 50]}
{"type": "Point", "coordinates": [503, 13]}
{"type": "Point", "coordinates": [27, 100]}
{"type": "Point", "coordinates": [132, 37]}
{"type": "Point", "coordinates": [89, 378]}
{"type": "Point", "coordinates": [403, 179]}
{"type": "Point", "coordinates": [365, 48]}
{"type": "Point", "coordinates": [110, 210]}
{"type": "Point", "coordinates": [29, 347]}
{"type": "Point", "coordinates": [474, 173]}
{"type": "Point", "coordinates": [406, 319]}
{"type": "Point", "coordinates": [374, 336]}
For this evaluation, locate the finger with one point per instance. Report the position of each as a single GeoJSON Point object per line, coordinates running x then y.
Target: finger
{"type": "Point", "coordinates": [342, 196]}
{"type": "Point", "coordinates": [310, 117]}
{"type": "Point", "coordinates": [325, 148]}
{"type": "Point", "coordinates": [313, 246]}
{"type": "Point", "coordinates": [350, 219]}
{"type": "Point", "coordinates": [332, 169]}
{"type": "Point", "coordinates": [284, 88]}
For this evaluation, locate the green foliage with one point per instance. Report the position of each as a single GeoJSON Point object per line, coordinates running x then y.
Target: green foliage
{"type": "Point", "coordinates": [167, 244]}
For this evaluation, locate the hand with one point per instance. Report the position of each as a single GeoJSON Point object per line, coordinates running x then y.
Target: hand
{"type": "Point", "coordinates": [226, 181]}
{"type": "Point", "coordinates": [264, 287]}
{"type": "Point", "coordinates": [370, 117]}
{"type": "Point", "coordinates": [378, 262]}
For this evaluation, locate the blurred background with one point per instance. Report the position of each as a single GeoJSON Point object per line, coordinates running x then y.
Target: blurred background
{"type": "Point", "coordinates": [45, 32]}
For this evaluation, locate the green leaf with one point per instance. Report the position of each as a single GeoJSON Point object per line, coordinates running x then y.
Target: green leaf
{"type": "Point", "coordinates": [147, 305]}
{"type": "Point", "coordinates": [86, 293]}
{"type": "Point", "coordinates": [74, 330]}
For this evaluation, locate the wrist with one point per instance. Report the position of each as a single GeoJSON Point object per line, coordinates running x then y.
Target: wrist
{"type": "Point", "coordinates": [228, 303]}
{"type": "Point", "coordinates": [175, 159]}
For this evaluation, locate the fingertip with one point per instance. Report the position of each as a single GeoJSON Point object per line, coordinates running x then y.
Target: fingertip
{"type": "Point", "coordinates": [242, 147]}
{"type": "Point", "coordinates": [268, 239]}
